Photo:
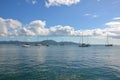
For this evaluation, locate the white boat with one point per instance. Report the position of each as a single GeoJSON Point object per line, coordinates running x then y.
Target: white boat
{"type": "Point", "coordinates": [26, 45]}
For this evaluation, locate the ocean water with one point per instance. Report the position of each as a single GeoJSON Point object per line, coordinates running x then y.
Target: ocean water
{"type": "Point", "coordinates": [59, 63]}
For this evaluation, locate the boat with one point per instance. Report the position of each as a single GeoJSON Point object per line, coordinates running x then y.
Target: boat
{"type": "Point", "coordinates": [47, 45]}
{"type": "Point", "coordinates": [26, 45]}
{"type": "Point", "coordinates": [37, 43]}
{"type": "Point", "coordinates": [109, 45]}
{"type": "Point", "coordinates": [47, 42]}
{"type": "Point", "coordinates": [107, 42]}
{"type": "Point", "coordinates": [83, 44]}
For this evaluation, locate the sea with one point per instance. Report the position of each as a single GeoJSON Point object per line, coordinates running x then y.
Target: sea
{"type": "Point", "coordinates": [57, 62]}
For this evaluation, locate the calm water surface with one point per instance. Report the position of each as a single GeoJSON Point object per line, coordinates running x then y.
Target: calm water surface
{"type": "Point", "coordinates": [59, 63]}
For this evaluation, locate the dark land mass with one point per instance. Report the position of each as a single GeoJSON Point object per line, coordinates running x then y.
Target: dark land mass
{"type": "Point", "coordinates": [49, 42]}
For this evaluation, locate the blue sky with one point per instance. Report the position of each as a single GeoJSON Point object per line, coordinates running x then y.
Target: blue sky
{"type": "Point", "coordinates": [80, 14]}
{"type": "Point", "coordinates": [73, 15]}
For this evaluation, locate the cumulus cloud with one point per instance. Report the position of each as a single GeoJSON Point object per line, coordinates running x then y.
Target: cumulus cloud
{"type": "Point", "coordinates": [10, 23]}
{"type": "Point", "coordinates": [25, 32]}
{"type": "Point", "coordinates": [37, 23]}
{"type": "Point", "coordinates": [113, 24]}
{"type": "Point", "coordinates": [3, 29]}
{"type": "Point", "coordinates": [34, 28]}
{"type": "Point", "coordinates": [10, 27]}
{"type": "Point", "coordinates": [114, 28]}
{"type": "Point", "coordinates": [61, 30]}
{"type": "Point", "coordinates": [38, 27]}
{"type": "Point", "coordinates": [61, 2]}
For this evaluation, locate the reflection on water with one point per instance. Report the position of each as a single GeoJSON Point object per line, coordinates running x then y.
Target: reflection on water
{"type": "Point", "coordinates": [59, 63]}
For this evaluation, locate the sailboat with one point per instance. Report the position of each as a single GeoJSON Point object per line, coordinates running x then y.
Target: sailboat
{"type": "Point", "coordinates": [107, 42]}
{"type": "Point", "coordinates": [26, 44]}
{"type": "Point", "coordinates": [47, 43]}
{"type": "Point", "coordinates": [83, 44]}
{"type": "Point", "coordinates": [37, 42]}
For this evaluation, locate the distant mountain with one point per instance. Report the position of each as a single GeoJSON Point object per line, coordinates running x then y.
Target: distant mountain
{"type": "Point", "coordinates": [9, 42]}
{"type": "Point", "coordinates": [44, 42]}
{"type": "Point", "coordinates": [50, 42]}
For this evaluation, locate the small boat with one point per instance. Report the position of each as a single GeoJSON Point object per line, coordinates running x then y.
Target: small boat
{"type": "Point", "coordinates": [26, 45]}
{"type": "Point", "coordinates": [84, 45]}
{"type": "Point", "coordinates": [109, 45]}
{"type": "Point", "coordinates": [47, 45]}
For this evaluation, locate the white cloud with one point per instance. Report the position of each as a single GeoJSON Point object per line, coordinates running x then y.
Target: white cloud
{"type": "Point", "coordinates": [99, 32]}
{"type": "Point", "coordinates": [3, 28]}
{"type": "Point", "coordinates": [25, 32]}
{"type": "Point", "coordinates": [13, 23]}
{"type": "Point", "coordinates": [114, 28]}
{"type": "Point", "coordinates": [60, 30]}
{"type": "Point", "coordinates": [116, 18]}
{"type": "Point", "coordinates": [87, 14]}
{"type": "Point", "coordinates": [91, 15]}
{"type": "Point", "coordinates": [38, 27]}
{"type": "Point", "coordinates": [113, 24]}
{"type": "Point", "coordinates": [95, 16]}
{"type": "Point", "coordinates": [37, 23]}
{"type": "Point", "coordinates": [32, 1]}
{"type": "Point", "coordinates": [10, 27]}
{"type": "Point", "coordinates": [61, 2]}
{"type": "Point", "coordinates": [87, 32]}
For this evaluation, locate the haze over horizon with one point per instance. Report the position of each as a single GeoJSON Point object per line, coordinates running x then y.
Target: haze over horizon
{"type": "Point", "coordinates": [58, 19]}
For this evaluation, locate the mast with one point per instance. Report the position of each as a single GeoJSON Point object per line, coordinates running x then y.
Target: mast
{"type": "Point", "coordinates": [107, 41]}
{"type": "Point", "coordinates": [47, 44]}
{"type": "Point", "coordinates": [82, 37]}
{"type": "Point", "coordinates": [83, 44]}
